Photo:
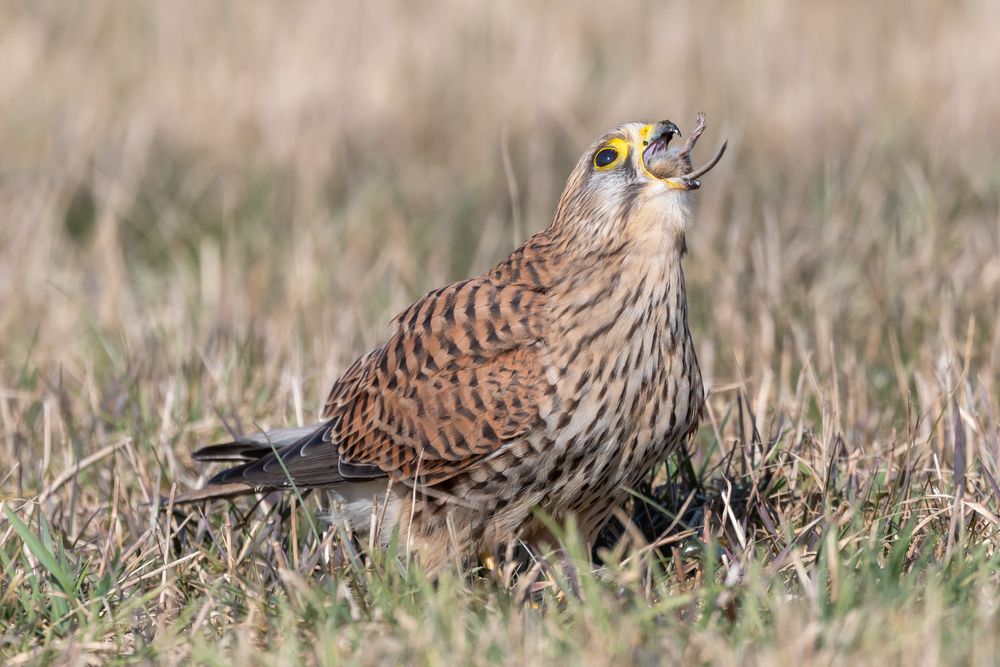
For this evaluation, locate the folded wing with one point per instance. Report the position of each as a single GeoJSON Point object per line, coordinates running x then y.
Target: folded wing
{"type": "Point", "coordinates": [460, 378]}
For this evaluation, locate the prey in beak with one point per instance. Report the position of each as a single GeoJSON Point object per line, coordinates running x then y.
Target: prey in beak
{"type": "Point", "coordinates": [673, 165]}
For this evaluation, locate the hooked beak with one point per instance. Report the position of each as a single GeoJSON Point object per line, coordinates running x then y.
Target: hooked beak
{"type": "Point", "coordinates": [658, 145]}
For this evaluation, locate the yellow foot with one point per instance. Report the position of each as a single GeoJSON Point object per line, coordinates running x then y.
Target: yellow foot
{"type": "Point", "coordinates": [490, 563]}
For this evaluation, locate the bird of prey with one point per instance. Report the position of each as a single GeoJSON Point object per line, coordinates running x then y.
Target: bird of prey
{"type": "Point", "coordinates": [555, 381]}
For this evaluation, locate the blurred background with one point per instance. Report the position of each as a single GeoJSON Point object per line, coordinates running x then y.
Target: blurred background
{"type": "Point", "coordinates": [211, 208]}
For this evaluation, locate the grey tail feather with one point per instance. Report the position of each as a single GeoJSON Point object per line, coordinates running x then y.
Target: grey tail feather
{"type": "Point", "coordinates": [246, 450]}
{"type": "Point", "coordinates": [301, 457]}
{"type": "Point", "coordinates": [252, 447]}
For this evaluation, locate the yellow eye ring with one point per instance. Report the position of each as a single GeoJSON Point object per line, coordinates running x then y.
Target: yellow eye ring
{"type": "Point", "coordinates": [610, 155]}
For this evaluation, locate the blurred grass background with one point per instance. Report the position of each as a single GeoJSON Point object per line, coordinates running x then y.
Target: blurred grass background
{"type": "Point", "coordinates": [207, 210]}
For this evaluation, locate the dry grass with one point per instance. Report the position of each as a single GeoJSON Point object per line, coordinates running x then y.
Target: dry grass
{"type": "Point", "coordinates": [208, 209]}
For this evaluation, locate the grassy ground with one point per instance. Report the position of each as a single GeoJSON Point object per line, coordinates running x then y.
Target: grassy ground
{"type": "Point", "coordinates": [207, 210]}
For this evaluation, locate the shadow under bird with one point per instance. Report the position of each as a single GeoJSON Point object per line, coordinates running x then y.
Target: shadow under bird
{"type": "Point", "coordinates": [555, 381]}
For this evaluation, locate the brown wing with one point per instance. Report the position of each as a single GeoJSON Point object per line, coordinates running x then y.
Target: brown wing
{"type": "Point", "coordinates": [460, 377]}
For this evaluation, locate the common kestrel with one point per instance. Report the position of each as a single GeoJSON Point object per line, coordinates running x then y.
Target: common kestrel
{"type": "Point", "coordinates": [555, 381]}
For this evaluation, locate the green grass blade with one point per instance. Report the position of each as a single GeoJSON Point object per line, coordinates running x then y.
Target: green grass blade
{"type": "Point", "coordinates": [62, 577]}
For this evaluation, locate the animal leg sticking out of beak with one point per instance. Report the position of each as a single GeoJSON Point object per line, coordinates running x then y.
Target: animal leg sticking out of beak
{"type": "Point", "coordinates": [664, 163]}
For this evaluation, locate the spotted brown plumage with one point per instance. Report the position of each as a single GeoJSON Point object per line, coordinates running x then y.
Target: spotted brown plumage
{"type": "Point", "coordinates": [556, 381]}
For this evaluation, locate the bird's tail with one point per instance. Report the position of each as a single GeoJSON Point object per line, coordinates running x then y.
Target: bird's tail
{"type": "Point", "coordinates": [248, 451]}
{"type": "Point", "coordinates": [254, 446]}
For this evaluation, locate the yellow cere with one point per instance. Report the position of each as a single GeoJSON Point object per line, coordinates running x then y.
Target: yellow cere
{"type": "Point", "coordinates": [644, 134]}
{"type": "Point", "coordinates": [621, 146]}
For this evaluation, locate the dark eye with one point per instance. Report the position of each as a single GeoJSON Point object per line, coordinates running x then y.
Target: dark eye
{"type": "Point", "coordinates": [605, 156]}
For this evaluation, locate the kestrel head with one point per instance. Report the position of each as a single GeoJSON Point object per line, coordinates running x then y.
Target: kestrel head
{"type": "Point", "coordinates": [632, 181]}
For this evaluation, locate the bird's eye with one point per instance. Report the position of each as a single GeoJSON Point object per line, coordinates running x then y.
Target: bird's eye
{"type": "Point", "coordinates": [605, 157]}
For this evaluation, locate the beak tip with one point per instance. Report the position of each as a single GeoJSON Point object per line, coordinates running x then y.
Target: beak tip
{"type": "Point", "coordinates": [669, 128]}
